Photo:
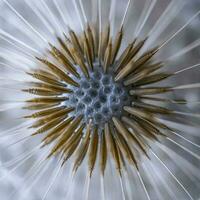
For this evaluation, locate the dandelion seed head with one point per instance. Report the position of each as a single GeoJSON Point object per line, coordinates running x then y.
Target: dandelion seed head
{"type": "Point", "coordinates": [99, 92]}
{"type": "Point", "coordinates": [97, 96]}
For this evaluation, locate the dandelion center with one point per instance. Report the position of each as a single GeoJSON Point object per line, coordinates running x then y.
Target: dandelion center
{"type": "Point", "coordinates": [100, 97]}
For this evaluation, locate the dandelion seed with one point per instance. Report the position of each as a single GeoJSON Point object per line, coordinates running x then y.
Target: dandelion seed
{"type": "Point", "coordinates": [96, 103]}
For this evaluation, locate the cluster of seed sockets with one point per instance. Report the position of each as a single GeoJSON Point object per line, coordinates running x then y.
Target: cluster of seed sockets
{"type": "Point", "coordinates": [99, 97]}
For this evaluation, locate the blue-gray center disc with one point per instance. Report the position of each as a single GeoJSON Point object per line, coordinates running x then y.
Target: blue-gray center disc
{"type": "Point", "coordinates": [99, 98]}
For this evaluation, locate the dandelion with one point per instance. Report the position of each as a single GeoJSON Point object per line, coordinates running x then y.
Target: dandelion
{"type": "Point", "coordinates": [98, 115]}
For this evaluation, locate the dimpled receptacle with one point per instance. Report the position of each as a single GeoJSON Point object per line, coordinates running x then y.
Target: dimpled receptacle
{"type": "Point", "coordinates": [100, 97]}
